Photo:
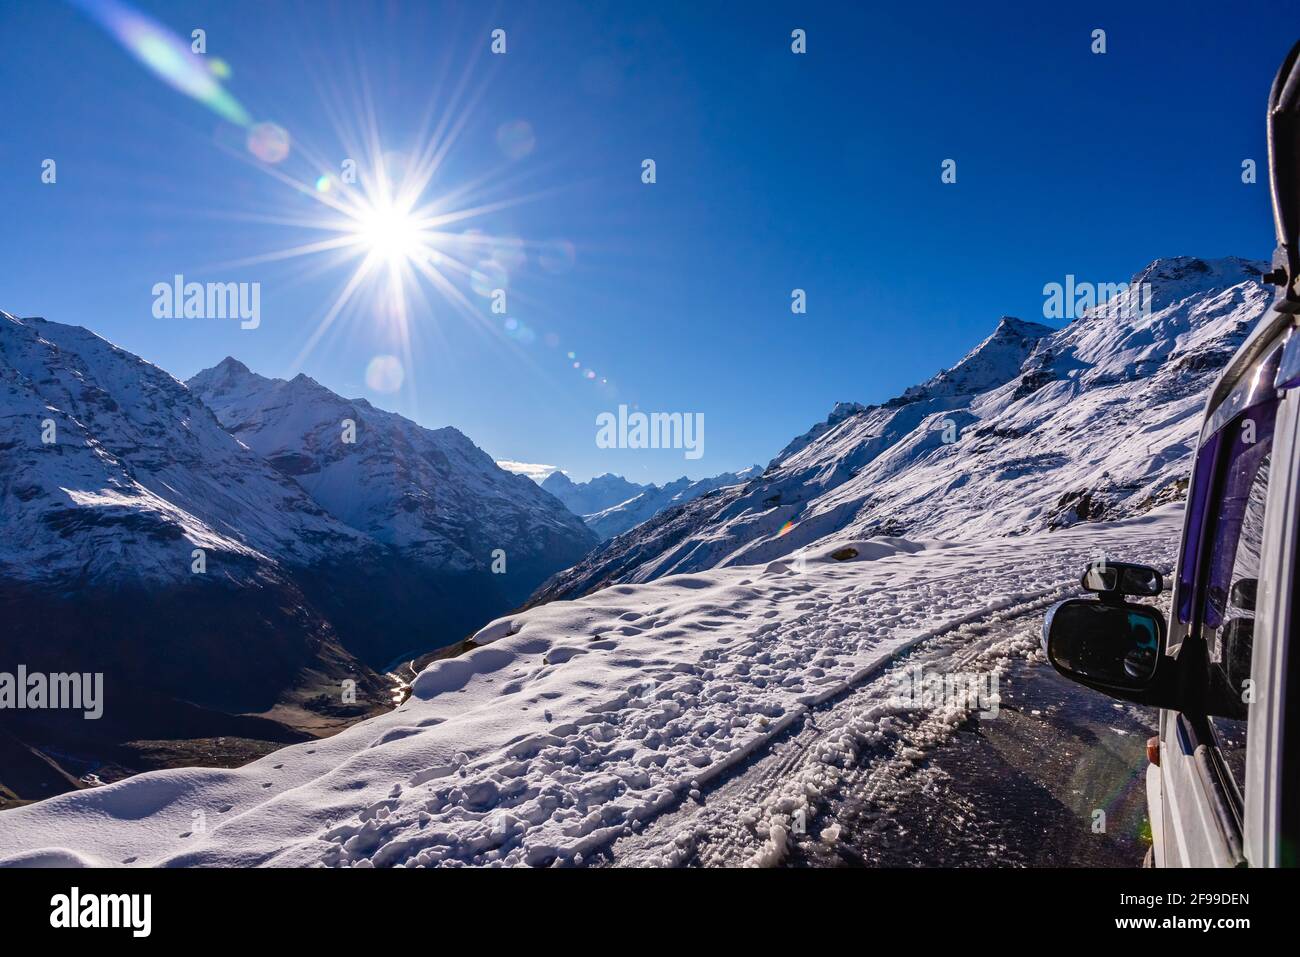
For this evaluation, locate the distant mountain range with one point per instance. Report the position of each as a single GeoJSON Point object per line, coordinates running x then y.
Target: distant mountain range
{"type": "Point", "coordinates": [1034, 428]}
{"type": "Point", "coordinates": [610, 505]}
{"type": "Point", "coordinates": [222, 548]}
{"type": "Point", "coordinates": [587, 498]}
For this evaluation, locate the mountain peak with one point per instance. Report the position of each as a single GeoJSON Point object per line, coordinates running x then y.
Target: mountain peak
{"type": "Point", "coordinates": [226, 374]}
{"type": "Point", "coordinates": [1009, 326]}
{"type": "Point", "coordinates": [1198, 272]}
{"type": "Point", "coordinates": [1007, 441]}
{"type": "Point", "coordinates": [843, 410]}
{"type": "Point", "coordinates": [431, 493]}
{"type": "Point", "coordinates": [596, 495]}
{"type": "Point", "coordinates": [994, 361]}
{"type": "Point", "coordinates": [231, 365]}
{"type": "Point", "coordinates": [557, 480]}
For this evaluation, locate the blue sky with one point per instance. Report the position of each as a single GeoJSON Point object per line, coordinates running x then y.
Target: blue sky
{"type": "Point", "coordinates": [774, 171]}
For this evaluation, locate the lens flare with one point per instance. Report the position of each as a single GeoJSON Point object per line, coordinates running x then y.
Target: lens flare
{"type": "Point", "coordinates": [269, 142]}
{"type": "Point", "coordinates": [509, 252]}
{"type": "Point", "coordinates": [404, 236]}
{"type": "Point", "coordinates": [385, 374]}
{"type": "Point", "coordinates": [516, 139]}
{"type": "Point", "coordinates": [166, 55]}
{"type": "Point", "coordinates": [399, 223]}
{"type": "Point", "coordinates": [488, 276]}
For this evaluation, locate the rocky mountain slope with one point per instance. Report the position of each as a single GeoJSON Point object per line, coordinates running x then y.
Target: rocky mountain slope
{"type": "Point", "coordinates": [210, 571]}
{"type": "Point", "coordinates": [139, 539]}
{"type": "Point", "coordinates": [431, 494]}
{"type": "Point", "coordinates": [113, 471]}
{"type": "Point", "coordinates": [1032, 429]}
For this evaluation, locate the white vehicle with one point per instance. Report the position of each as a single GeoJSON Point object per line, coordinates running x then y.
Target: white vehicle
{"type": "Point", "coordinates": [1223, 785]}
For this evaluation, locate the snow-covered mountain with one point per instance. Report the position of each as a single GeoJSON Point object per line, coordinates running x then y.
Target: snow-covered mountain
{"type": "Point", "coordinates": [138, 538]}
{"type": "Point", "coordinates": [587, 498]}
{"type": "Point", "coordinates": [430, 493]}
{"type": "Point", "coordinates": [1032, 429]}
{"type": "Point", "coordinates": [653, 499]}
{"type": "Point", "coordinates": [242, 569]}
{"type": "Point", "coordinates": [113, 471]}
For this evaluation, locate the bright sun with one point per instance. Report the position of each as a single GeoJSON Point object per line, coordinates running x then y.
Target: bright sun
{"type": "Point", "coordinates": [390, 233]}
{"type": "Point", "coordinates": [400, 238]}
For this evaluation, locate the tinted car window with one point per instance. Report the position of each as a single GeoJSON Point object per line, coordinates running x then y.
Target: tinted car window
{"type": "Point", "coordinates": [1232, 578]}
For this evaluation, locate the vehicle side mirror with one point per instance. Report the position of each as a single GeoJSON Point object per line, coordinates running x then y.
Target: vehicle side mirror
{"type": "Point", "coordinates": [1235, 641]}
{"type": "Point", "coordinates": [1237, 638]}
{"type": "Point", "coordinates": [1123, 578]}
{"type": "Point", "coordinates": [1112, 646]}
{"type": "Point", "coordinates": [1242, 595]}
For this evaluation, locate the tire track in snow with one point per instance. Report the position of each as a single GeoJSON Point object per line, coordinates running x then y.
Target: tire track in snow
{"type": "Point", "coordinates": [859, 751]}
{"type": "Point", "coordinates": [746, 815]}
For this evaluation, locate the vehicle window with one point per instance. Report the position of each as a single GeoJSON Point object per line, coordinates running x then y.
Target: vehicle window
{"type": "Point", "coordinates": [1224, 424]}
{"type": "Point", "coordinates": [1232, 578]}
{"type": "Point", "coordinates": [1197, 504]}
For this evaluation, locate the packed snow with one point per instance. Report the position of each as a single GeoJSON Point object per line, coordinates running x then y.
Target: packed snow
{"type": "Point", "coordinates": [574, 723]}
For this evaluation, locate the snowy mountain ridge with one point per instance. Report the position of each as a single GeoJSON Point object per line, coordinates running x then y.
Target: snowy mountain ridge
{"type": "Point", "coordinates": [609, 504]}
{"type": "Point", "coordinates": [596, 495]}
{"type": "Point", "coordinates": [431, 493]}
{"type": "Point", "coordinates": [113, 470]}
{"type": "Point", "coordinates": [619, 518]}
{"type": "Point", "coordinates": [1032, 429]}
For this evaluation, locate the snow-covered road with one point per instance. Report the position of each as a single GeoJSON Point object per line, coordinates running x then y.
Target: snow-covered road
{"type": "Point", "coordinates": [577, 724]}
{"type": "Point", "coordinates": [1056, 780]}
{"type": "Point", "coordinates": [861, 781]}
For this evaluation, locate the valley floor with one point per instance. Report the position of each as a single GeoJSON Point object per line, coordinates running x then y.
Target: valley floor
{"type": "Point", "coordinates": [738, 716]}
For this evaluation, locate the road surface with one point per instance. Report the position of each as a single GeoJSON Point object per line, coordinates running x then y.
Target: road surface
{"type": "Point", "coordinates": [1054, 778]}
